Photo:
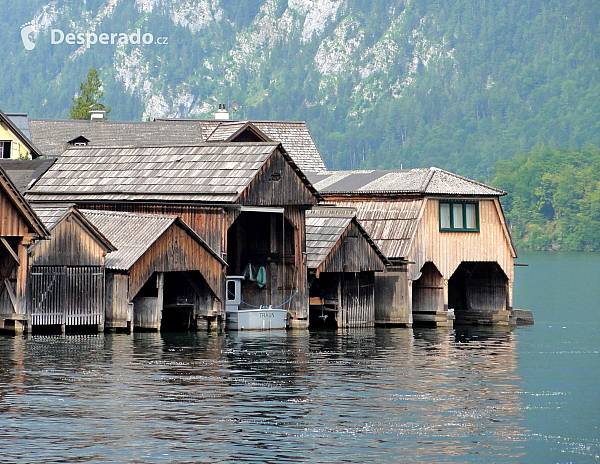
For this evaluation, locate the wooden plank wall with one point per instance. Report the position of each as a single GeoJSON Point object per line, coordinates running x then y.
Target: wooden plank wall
{"type": "Point", "coordinates": [352, 253]}
{"type": "Point", "coordinates": [175, 250]}
{"type": "Point", "coordinates": [11, 221]}
{"type": "Point", "coordinates": [117, 300]}
{"type": "Point", "coordinates": [358, 298]}
{"type": "Point", "coordinates": [70, 295]}
{"type": "Point", "coordinates": [277, 184]}
{"type": "Point", "coordinates": [70, 245]}
{"type": "Point", "coordinates": [428, 291]}
{"type": "Point", "coordinates": [448, 249]}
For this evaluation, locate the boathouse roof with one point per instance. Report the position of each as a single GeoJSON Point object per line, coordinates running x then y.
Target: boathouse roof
{"type": "Point", "coordinates": [326, 228]}
{"type": "Point", "coordinates": [210, 173]}
{"type": "Point", "coordinates": [53, 135]}
{"type": "Point", "coordinates": [9, 192]}
{"type": "Point", "coordinates": [421, 181]}
{"type": "Point", "coordinates": [52, 214]}
{"type": "Point", "coordinates": [25, 172]}
{"type": "Point", "coordinates": [293, 135]}
{"type": "Point", "coordinates": [391, 223]}
{"type": "Point", "coordinates": [133, 234]}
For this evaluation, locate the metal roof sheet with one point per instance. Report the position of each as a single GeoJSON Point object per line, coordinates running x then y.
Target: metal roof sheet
{"type": "Point", "coordinates": [432, 181]}
{"type": "Point", "coordinates": [391, 224]}
{"type": "Point", "coordinates": [131, 233]}
{"type": "Point", "coordinates": [24, 173]}
{"type": "Point", "coordinates": [323, 230]}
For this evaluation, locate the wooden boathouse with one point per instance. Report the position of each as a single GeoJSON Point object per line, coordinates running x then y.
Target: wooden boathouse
{"type": "Point", "coordinates": [66, 272]}
{"type": "Point", "coordinates": [19, 227]}
{"type": "Point", "coordinates": [450, 229]}
{"type": "Point", "coordinates": [342, 262]}
{"type": "Point", "coordinates": [161, 275]}
{"type": "Point", "coordinates": [246, 200]}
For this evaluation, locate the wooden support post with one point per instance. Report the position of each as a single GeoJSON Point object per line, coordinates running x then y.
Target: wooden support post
{"type": "Point", "coordinates": [10, 250]}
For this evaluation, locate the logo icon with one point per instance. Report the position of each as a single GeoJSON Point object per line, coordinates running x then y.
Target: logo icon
{"type": "Point", "coordinates": [27, 29]}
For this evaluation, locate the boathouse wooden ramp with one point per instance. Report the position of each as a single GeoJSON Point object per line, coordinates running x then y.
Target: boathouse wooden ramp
{"type": "Point", "coordinates": [246, 200]}
{"type": "Point", "coordinates": [19, 227]}
{"type": "Point", "coordinates": [450, 229]}
{"type": "Point", "coordinates": [342, 262]}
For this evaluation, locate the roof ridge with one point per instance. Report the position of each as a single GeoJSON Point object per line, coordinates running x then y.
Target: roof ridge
{"type": "Point", "coordinates": [128, 214]}
{"type": "Point", "coordinates": [472, 181]}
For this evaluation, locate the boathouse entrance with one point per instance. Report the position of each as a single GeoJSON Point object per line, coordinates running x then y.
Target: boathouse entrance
{"type": "Point", "coordinates": [428, 297]}
{"type": "Point", "coordinates": [478, 292]}
{"type": "Point", "coordinates": [260, 247]}
{"type": "Point", "coordinates": [173, 301]}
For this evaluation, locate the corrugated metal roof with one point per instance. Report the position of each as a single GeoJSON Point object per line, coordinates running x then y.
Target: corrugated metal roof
{"type": "Point", "coordinates": [131, 233]}
{"type": "Point", "coordinates": [432, 181]}
{"type": "Point", "coordinates": [392, 224]}
{"type": "Point", "coordinates": [208, 172]}
{"type": "Point", "coordinates": [323, 230]}
{"type": "Point", "coordinates": [52, 135]}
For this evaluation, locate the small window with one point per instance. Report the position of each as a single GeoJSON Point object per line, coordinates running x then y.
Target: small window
{"type": "Point", "coordinates": [459, 216]}
{"type": "Point", "coordinates": [5, 146]}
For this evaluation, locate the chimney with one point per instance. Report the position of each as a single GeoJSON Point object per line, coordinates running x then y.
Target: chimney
{"type": "Point", "coordinates": [97, 115]}
{"type": "Point", "coordinates": [222, 113]}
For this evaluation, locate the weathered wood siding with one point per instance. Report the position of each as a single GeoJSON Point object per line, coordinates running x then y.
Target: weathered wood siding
{"type": "Point", "coordinates": [11, 221]}
{"type": "Point", "coordinates": [117, 306]}
{"type": "Point", "coordinates": [358, 298]}
{"type": "Point", "coordinates": [70, 244]}
{"type": "Point", "coordinates": [393, 304]}
{"type": "Point", "coordinates": [277, 184]}
{"type": "Point", "coordinates": [352, 253]}
{"type": "Point", "coordinates": [428, 291]}
{"type": "Point", "coordinates": [298, 273]}
{"type": "Point", "coordinates": [175, 250]}
{"type": "Point", "coordinates": [69, 295]}
{"type": "Point", "coordinates": [448, 249]}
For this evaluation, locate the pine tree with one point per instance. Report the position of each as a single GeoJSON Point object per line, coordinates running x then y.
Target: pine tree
{"type": "Point", "coordinates": [88, 97]}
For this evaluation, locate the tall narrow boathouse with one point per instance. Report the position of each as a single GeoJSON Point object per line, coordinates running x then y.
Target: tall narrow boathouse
{"type": "Point", "coordinates": [247, 201]}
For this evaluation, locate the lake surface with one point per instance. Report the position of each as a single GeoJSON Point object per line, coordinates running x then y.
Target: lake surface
{"type": "Point", "coordinates": [481, 395]}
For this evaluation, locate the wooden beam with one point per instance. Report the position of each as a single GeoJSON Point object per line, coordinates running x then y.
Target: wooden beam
{"type": "Point", "coordinates": [10, 250]}
{"type": "Point", "coordinates": [11, 294]}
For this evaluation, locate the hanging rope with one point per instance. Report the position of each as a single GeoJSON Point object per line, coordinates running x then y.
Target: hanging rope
{"type": "Point", "coordinates": [264, 307]}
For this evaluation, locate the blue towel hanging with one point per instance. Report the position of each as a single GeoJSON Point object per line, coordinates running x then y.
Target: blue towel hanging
{"type": "Point", "coordinates": [261, 277]}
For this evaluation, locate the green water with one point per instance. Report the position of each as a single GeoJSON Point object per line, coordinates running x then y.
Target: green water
{"type": "Point", "coordinates": [467, 395]}
{"type": "Point", "coordinates": [558, 358]}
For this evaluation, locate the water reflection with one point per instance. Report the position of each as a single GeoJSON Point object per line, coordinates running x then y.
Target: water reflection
{"type": "Point", "coordinates": [367, 395]}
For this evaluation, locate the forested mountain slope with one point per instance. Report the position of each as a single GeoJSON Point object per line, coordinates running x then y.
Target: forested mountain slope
{"type": "Point", "coordinates": [381, 84]}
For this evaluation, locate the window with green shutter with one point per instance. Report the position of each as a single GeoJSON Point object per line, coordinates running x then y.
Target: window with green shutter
{"type": "Point", "coordinates": [459, 216]}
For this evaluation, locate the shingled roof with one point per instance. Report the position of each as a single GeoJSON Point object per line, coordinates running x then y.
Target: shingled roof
{"type": "Point", "coordinates": [293, 135]}
{"type": "Point", "coordinates": [431, 181]}
{"type": "Point", "coordinates": [324, 229]}
{"type": "Point", "coordinates": [134, 233]}
{"type": "Point", "coordinates": [212, 173]}
{"type": "Point", "coordinates": [52, 135]}
{"type": "Point", "coordinates": [25, 172]}
{"type": "Point", "coordinates": [392, 224]}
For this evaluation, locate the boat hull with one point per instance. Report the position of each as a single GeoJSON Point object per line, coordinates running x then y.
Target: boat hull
{"type": "Point", "coordinates": [257, 319]}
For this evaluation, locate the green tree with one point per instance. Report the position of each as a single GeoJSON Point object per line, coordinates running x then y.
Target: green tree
{"type": "Point", "coordinates": [88, 97]}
